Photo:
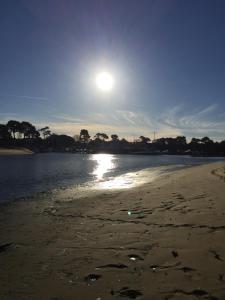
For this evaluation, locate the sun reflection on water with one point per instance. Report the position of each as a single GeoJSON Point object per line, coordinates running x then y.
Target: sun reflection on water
{"type": "Point", "coordinates": [105, 163]}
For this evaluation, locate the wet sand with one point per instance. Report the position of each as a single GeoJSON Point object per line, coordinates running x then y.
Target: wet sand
{"type": "Point", "coordinates": [15, 151]}
{"type": "Point", "coordinates": [161, 240]}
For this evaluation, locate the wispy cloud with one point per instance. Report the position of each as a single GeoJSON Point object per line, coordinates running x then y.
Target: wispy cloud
{"type": "Point", "coordinates": [200, 122]}
{"type": "Point", "coordinates": [127, 124]}
{"type": "Point", "coordinates": [171, 122]}
{"type": "Point", "coordinates": [25, 97]}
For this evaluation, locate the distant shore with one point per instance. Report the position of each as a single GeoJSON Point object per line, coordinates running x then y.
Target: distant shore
{"type": "Point", "coordinates": [168, 232]}
{"type": "Point", "coordinates": [15, 151]}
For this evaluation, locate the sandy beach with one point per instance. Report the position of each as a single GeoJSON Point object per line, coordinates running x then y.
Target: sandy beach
{"type": "Point", "coordinates": [15, 151]}
{"type": "Point", "coordinates": [161, 240]}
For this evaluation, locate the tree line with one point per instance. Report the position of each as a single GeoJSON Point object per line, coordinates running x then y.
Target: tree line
{"type": "Point", "coordinates": [25, 134]}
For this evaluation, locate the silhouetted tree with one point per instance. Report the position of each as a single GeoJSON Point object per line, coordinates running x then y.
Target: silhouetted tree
{"type": "Point", "coordinates": [181, 140]}
{"type": "Point", "coordinates": [45, 131]}
{"type": "Point", "coordinates": [14, 127]}
{"type": "Point", "coordinates": [114, 137]}
{"type": "Point", "coordinates": [84, 135]}
{"type": "Point", "coordinates": [195, 145]}
{"type": "Point", "coordinates": [180, 144]}
{"type": "Point", "coordinates": [208, 146]}
{"type": "Point", "coordinates": [124, 141]}
{"type": "Point", "coordinates": [222, 147]}
{"type": "Point", "coordinates": [4, 133]}
{"type": "Point", "coordinates": [195, 141]}
{"type": "Point", "coordinates": [28, 130]}
{"type": "Point", "coordinates": [206, 140]}
{"type": "Point", "coordinates": [11, 133]}
{"type": "Point", "coordinates": [144, 139]}
{"type": "Point", "coordinates": [60, 141]}
{"type": "Point", "coordinates": [101, 136]}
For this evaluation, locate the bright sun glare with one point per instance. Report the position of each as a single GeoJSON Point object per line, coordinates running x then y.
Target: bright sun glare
{"type": "Point", "coordinates": [104, 81]}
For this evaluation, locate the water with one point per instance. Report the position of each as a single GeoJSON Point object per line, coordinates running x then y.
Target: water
{"type": "Point", "coordinates": [25, 175]}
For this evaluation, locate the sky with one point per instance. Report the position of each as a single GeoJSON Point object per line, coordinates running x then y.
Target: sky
{"type": "Point", "coordinates": [167, 58]}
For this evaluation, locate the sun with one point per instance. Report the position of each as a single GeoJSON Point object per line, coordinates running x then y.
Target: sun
{"type": "Point", "coordinates": [105, 81]}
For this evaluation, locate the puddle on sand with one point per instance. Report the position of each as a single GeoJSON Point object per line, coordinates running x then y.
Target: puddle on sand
{"type": "Point", "coordinates": [135, 257]}
{"type": "Point", "coordinates": [116, 266]}
{"type": "Point", "coordinates": [92, 278]}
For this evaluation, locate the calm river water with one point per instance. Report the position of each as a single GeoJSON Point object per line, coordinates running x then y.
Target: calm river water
{"type": "Point", "coordinates": [24, 175]}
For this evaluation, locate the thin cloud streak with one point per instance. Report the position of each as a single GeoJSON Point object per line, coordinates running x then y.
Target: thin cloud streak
{"type": "Point", "coordinates": [198, 123]}
{"type": "Point", "coordinates": [25, 97]}
{"type": "Point", "coordinates": [122, 131]}
{"type": "Point", "coordinates": [129, 124]}
{"type": "Point", "coordinates": [172, 122]}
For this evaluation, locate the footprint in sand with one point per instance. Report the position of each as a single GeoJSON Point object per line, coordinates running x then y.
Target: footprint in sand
{"type": "Point", "coordinates": [128, 293]}
{"type": "Point", "coordinates": [116, 266]}
{"type": "Point", "coordinates": [222, 277]}
{"type": "Point", "coordinates": [196, 293]}
{"type": "Point", "coordinates": [5, 247]}
{"type": "Point", "coordinates": [216, 255]}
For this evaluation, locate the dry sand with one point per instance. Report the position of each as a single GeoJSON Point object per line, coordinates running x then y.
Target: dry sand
{"type": "Point", "coordinates": [15, 151]}
{"type": "Point", "coordinates": [171, 246]}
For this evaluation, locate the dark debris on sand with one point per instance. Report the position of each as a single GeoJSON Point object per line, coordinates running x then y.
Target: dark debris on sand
{"type": "Point", "coordinates": [92, 278]}
{"type": "Point", "coordinates": [5, 247]}
{"type": "Point", "coordinates": [128, 293]}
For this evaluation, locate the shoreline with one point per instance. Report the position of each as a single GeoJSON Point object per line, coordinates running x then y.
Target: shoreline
{"type": "Point", "coordinates": [15, 151]}
{"type": "Point", "coordinates": [111, 184]}
{"type": "Point", "coordinates": [168, 232]}
{"type": "Point", "coordinates": [116, 183]}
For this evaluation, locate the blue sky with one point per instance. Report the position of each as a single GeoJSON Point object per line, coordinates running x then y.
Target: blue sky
{"type": "Point", "coordinates": [167, 58]}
